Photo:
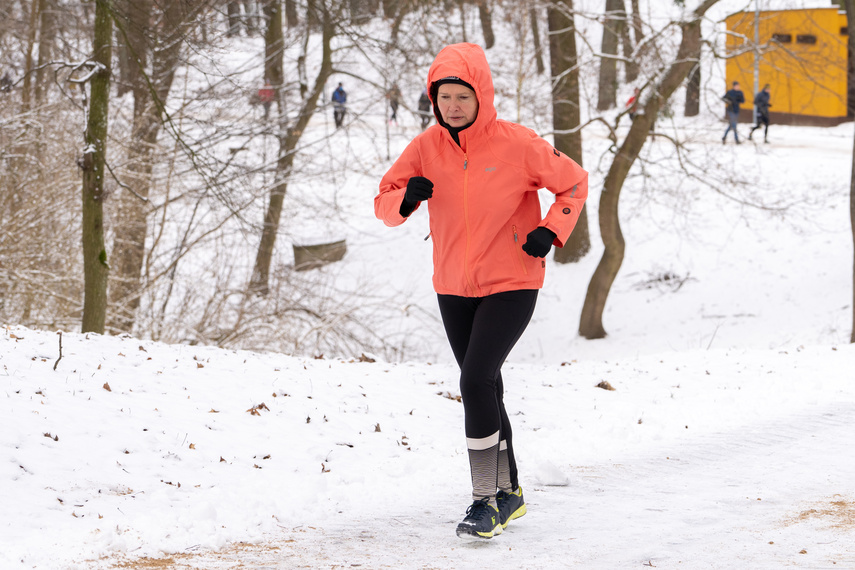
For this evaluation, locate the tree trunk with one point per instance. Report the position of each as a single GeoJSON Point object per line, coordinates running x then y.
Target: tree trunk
{"type": "Point", "coordinates": [535, 32]}
{"type": "Point", "coordinates": [361, 11]}
{"type": "Point", "coordinates": [47, 39]}
{"type": "Point", "coordinates": [849, 6]}
{"type": "Point", "coordinates": [32, 35]}
{"type": "Point", "coordinates": [486, 23]}
{"type": "Point", "coordinates": [591, 322]}
{"type": "Point", "coordinates": [852, 220]}
{"type": "Point", "coordinates": [607, 93]}
{"type": "Point", "coordinates": [637, 29]}
{"type": "Point", "coordinates": [95, 268]}
{"type": "Point", "coordinates": [291, 19]}
{"type": "Point", "coordinates": [289, 136]}
{"type": "Point", "coordinates": [233, 11]}
{"type": "Point", "coordinates": [693, 90]}
{"type": "Point", "coordinates": [391, 8]}
{"type": "Point", "coordinates": [150, 86]}
{"type": "Point", "coordinates": [631, 63]}
{"type": "Point", "coordinates": [566, 115]}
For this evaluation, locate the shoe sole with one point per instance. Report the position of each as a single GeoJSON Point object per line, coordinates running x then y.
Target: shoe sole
{"type": "Point", "coordinates": [468, 534]}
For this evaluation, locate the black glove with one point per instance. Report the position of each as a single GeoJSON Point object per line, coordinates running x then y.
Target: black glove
{"type": "Point", "coordinates": [418, 188]}
{"type": "Point", "coordinates": [538, 242]}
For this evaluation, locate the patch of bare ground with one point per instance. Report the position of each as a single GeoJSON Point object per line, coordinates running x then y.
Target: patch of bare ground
{"type": "Point", "coordinates": [232, 556]}
{"type": "Point", "coordinates": [835, 512]}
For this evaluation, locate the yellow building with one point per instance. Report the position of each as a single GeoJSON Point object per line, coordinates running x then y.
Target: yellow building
{"type": "Point", "coordinates": [802, 56]}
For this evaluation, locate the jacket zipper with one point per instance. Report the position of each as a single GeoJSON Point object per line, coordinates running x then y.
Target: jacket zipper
{"type": "Point", "coordinates": [519, 254]}
{"type": "Point", "coordinates": [466, 218]}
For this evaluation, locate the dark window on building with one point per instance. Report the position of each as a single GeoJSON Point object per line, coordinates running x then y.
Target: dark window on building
{"type": "Point", "coordinates": [782, 38]}
{"type": "Point", "coordinates": [806, 39]}
{"type": "Point", "coordinates": [844, 30]}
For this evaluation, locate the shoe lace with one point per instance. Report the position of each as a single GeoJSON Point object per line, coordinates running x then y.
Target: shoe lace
{"type": "Point", "coordinates": [478, 509]}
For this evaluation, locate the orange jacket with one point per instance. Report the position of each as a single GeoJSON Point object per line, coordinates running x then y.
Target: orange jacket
{"type": "Point", "coordinates": [484, 199]}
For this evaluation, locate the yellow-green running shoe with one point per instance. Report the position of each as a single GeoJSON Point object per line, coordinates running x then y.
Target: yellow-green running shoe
{"type": "Point", "coordinates": [482, 521]}
{"type": "Point", "coordinates": [511, 506]}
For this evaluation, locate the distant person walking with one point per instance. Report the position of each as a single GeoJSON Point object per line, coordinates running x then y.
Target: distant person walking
{"type": "Point", "coordinates": [5, 83]}
{"type": "Point", "coordinates": [265, 95]}
{"type": "Point", "coordinates": [733, 99]}
{"type": "Point", "coordinates": [394, 96]}
{"type": "Point", "coordinates": [339, 101]}
{"type": "Point", "coordinates": [761, 105]}
{"type": "Point", "coordinates": [424, 109]}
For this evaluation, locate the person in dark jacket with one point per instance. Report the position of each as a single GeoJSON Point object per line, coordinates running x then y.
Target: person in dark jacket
{"type": "Point", "coordinates": [394, 96]}
{"type": "Point", "coordinates": [761, 105]}
{"type": "Point", "coordinates": [733, 98]}
{"type": "Point", "coordinates": [339, 100]}
{"type": "Point", "coordinates": [424, 109]}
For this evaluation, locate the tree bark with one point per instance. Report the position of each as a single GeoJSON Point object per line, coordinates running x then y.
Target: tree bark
{"type": "Point", "coordinates": [607, 92]}
{"type": "Point", "coordinates": [32, 35]}
{"type": "Point", "coordinates": [631, 64]}
{"type": "Point", "coordinates": [486, 23]}
{"type": "Point", "coordinates": [535, 32]}
{"type": "Point", "coordinates": [693, 90]}
{"type": "Point", "coordinates": [233, 11]}
{"type": "Point", "coordinates": [291, 19]}
{"type": "Point", "coordinates": [47, 39]}
{"type": "Point", "coordinates": [289, 136]}
{"type": "Point", "coordinates": [637, 29]}
{"type": "Point", "coordinates": [566, 114]}
{"type": "Point", "coordinates": [591, 322]}
{"type": "Point", "coordinates": [95, 268]}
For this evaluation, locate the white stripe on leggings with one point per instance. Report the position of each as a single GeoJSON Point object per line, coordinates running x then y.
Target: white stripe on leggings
{"type": "Point", "coordinates": [480, 444]}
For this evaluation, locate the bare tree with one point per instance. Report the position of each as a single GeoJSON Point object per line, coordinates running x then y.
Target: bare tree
{"type": "Point", "coordinates": [566, 116]}
{"type": "Point", "coordinates": [95, 268]}
{"type": "Point", "coordinates": [153, 34]}
{"type": "Point", "coordinates": [591, 322]}
{"type": "Point", "coordinates": [289, 133]}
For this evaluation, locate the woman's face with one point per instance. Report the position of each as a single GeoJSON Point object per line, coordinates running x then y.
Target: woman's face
{"type": "Point", "coordinates": [457, 104]}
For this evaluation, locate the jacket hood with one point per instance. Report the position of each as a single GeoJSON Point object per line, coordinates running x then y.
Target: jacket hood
{"type": "Point", "coordinates": [467, 62]}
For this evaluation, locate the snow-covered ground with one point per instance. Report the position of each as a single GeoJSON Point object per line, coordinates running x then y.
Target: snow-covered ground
{"type": "Point", "coordinates": [698, 459]}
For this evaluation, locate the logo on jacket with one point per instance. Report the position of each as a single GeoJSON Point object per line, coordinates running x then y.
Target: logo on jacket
{"type": "Point", "coordinates": [556, 152]}
{"type": "Point", "coordinates": [490, 169]}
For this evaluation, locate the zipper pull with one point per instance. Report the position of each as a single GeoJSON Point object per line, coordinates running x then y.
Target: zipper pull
{"type": "Point", "coordinates": [427, 236]}
{"type": "Point", "coordinates": [516, 239]}
{"type": "Point", "coordinates": [465, 162]}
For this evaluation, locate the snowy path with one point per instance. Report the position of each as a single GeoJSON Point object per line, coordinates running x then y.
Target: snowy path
{"type": "Point", "coordinates": [690, 506]}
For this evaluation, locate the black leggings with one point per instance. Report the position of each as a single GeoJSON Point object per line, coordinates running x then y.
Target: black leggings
{"type": "Point", "coordinates": [482, 331]}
